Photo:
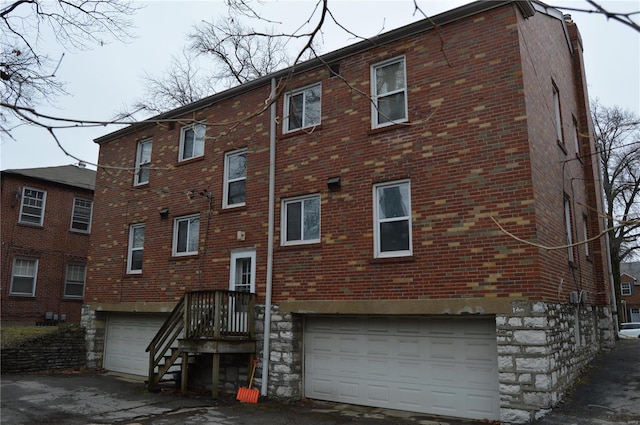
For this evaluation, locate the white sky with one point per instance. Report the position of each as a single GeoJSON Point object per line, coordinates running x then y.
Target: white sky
{"type": "Point", "coordinates": [103, 81]}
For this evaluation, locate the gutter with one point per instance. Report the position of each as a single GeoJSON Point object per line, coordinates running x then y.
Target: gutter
{"type": "Point", "coordinates": [270, 238]}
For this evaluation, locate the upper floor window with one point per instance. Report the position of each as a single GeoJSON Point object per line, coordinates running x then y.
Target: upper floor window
{"type": "Point", "coordinates": [143, 162]}
{"type": "Point", "coordinates": [567, 224]}
{"type": "Point", "coordinates": [243, 271]}
{"type": "Point", "coordinates": [625, 288]}
{"type": "Point", "coordinates": [576, 136]}
{"type": "Point", "coordinates": [392, 218]}
{"type": "Point", "coordinates": [389, 92]}
{"type": "Point", "coordinates": [74, 283]}
{"type": "Point", "coordinates": [585, 231]}
{"type": "Point", "coordinates": [301, 220]}
{"type": "Point", "coordinates": [32, 208]}
{"type": "Point", "coordinates": [185, 235]}
{"type": "Point", "coordinates": [557, 114]}
{"type": "Point", "coordinates": [192, 141]}
{"type": "Point", "coordinates": [81, 216]}
{"type": "Point", "coordinates": [302, 108]}
{"type": "Point", "coordinates": [136, 249]}
{"type": "Point", "coordinates": [23, 276]}
{"type": "Point", "coordinates": [235, 176]}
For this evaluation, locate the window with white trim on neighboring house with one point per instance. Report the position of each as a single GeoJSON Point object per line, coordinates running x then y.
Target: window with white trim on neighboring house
{"type": "Point", "coordinates": [235, 176]}
{"type": "Point", "coordinates": [136, 249]}
{"type": "Point", "coordinates": [81, 215]}
{"type": "Point", "coordinates": [75, 280]}
{"type": "Point", "coordinates": [302, 108]}
{"type": "Point", "coordinates": [143, 162]}
{"type": "Point", "coordinates": [185, 235]}
{"type": "Point", "coordinates": [32, 206]}
{"type": "Point", "coordinates": [301, 220]}
{"type": "Point", "coordinates": [388, 92]}
{"type": "Point", "coordinates": [23, 276]}
{"type": "Point", "coordinates": [392, 218]}
{"type": "Point", "coordinates": [192, 141]}
{"type": "Point", "coordinates": [626, 288]}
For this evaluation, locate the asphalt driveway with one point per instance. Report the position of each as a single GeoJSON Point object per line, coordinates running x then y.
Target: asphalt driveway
{"type": "Point", "coordinates": [607, 393]}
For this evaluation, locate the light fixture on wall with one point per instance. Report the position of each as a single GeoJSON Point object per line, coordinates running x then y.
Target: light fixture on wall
{"type": "Point", "coordinates": [334, 184]}
{"type": "Point", "coordinates": [164, 213]}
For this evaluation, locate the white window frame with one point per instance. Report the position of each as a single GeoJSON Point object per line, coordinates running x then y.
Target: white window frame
{"type": "Point", "coordinates": [576, 136]}
{"type": "Point", "coordinates": [80, 218]}
{"type": "Point", "coordinates": [31, 202]}
{"type": "Point", "coordinates": [238, 255]}
{"type": "Point", "coordinates": [68, 280]}
{"type": "Point", "coordinates": [285, 215]}
{"type": "Point", "coordinates": [557, 112]}
{"type": "Point", "coordinates": [131, 248]}
{"type": "Point", "coordinates": [142, 163]}
{"type": "Point", "coordinates": [378, 221]}
{"type": "Point", "coordinates": [625, 288]}
{"type": "Point", "coordinates": [567, 224]}
{"type": "Point", "coordinates": [304, 91]}
{"type": "Point", "coordinates": [375, 97]}
{"type": "Point", "coordinates": [176, 224]}
{"type": "Point", "coordinates": [228, 181]}
{"type": "Point", "coordinates": [199, 135]}
{"type": "Point", "coordinates": [585, 230]}
{"type": "Point", "coordinates": [34, 278]}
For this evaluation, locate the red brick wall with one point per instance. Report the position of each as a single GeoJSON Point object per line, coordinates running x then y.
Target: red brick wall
{"type": "Point", "coordinates": [473, 149]}
{"type": "Point", "coordinates": [53, 244]}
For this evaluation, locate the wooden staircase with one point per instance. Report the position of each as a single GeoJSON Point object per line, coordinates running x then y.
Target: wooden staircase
{"type": "Point", "coordinates": [215, 322]}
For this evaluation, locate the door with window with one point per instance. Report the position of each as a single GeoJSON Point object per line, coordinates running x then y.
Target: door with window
{"type": "Point", "coordinates": [242, 279]}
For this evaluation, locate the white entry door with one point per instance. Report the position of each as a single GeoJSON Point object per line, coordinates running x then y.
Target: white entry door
{"type": "Point", "coordinates": [242, 278]}
{"type": "Point", "coordinates": [436, 366]}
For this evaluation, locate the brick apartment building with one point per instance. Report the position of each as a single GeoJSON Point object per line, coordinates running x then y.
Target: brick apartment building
{"type": "Point", "coordinates": [630, 291]}
{"type": "Point", "coordinates": [373, 242]}
{"type": "Point", "coordinates": [46, 222]}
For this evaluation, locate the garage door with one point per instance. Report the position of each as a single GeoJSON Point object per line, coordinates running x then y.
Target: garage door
{"type": "Point", "coordinates": [438, 366]}
{"type": "Point", "coordinates": [127, 339]}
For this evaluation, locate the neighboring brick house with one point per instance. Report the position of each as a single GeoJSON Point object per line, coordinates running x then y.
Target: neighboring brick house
{"type": "Point", "coordinates": [630, 291]}
{"type": "Point", "coordinates": [46, 221]}
{"type": "Point", "coordinates": [381, 276]}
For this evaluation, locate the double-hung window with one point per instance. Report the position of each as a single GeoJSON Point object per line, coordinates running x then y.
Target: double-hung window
{"type": "Point", "coordinates": [235, 176]}
{"type": "Point", "coordinates": [32, 208]}
{"type": "Point", "coordinates": [143, 162]}
{"type": "Point", "coordinates": [301, 220]}
{"type": "Point", "coordinates": [81, 216]}
{"type": "Point", "coordinates": [192, 141]}
{"type": "Point", "coordinates": [625, 288]}
{"type": "Point", "coordinates": [392, 219]}
{"type": "Point", "coordinates": [185, 235]}
{"type": "Point", "coordinates": [136, 249]}
{"type": "Point", "coordinates": [302, 108]}
{"type": "Point", "coordinates": [23, 276]}
{"type": "Point", "coordinates": [74, 283]}
{"type": "Point", "coordinates": [389, 93]}
{"type": "Point", "coordinates": [556, 113]}
{"type": "Point", "coordinates": [576, 136]}
{"type": "Point", "coordinates": [585, 231]}
{"type": "Point", "coordinates": [567, 224]}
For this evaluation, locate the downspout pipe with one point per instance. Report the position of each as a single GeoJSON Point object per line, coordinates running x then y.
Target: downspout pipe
{"type": "Point", "coordinates": [270, 237]}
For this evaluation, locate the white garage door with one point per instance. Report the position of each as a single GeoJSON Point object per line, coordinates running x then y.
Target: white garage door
{"type": "Point", "coordinates": [127, 339]}
{"type": "Point", "coordinates": [438, 366]}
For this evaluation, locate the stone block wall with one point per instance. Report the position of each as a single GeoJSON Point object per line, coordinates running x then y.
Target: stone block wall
{"type": "Point", "coordinates": [94, 323]}
{"type": "Point", "coordinates": [63, 349]}
{"type": "Point", "coordinates": [542, 348]}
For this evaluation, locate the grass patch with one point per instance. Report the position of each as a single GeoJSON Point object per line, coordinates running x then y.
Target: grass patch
{"type": "Point", "coordinates": [11, 336]}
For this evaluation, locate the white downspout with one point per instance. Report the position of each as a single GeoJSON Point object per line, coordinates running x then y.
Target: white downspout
{"type": "Point", "coordinates": [272, 185]}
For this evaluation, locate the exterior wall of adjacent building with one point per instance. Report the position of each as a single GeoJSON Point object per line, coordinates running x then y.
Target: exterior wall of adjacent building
{"type": "Point", "coordinates": [53, 244]}
{"type": "Point", "coordinates": [630, 302]}
{"type": "Point", "coordinates": [480, 152]}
